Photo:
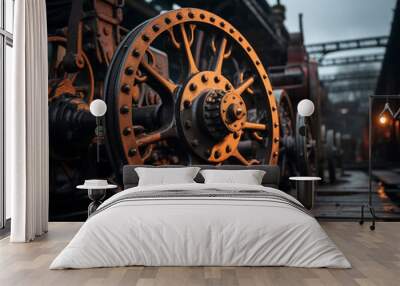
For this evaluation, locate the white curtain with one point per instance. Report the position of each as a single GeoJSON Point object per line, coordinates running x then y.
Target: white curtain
{"type": "Point", "coordinates": [27, 145]}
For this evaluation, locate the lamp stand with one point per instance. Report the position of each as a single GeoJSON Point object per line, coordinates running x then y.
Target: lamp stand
{"type": "Point", "coordinates": [99, 134]}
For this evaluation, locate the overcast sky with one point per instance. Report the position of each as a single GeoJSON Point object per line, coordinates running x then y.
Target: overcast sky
{"type": "Point", "coordinates": [327, 20]}
{"type": "Point", "coordinates": [330, 20]}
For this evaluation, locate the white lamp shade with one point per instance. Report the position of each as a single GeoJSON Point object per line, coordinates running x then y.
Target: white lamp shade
{"type": "Point", "coordinates": [98, 108]}
{"type": "Point", "coordinates": [305, 107]}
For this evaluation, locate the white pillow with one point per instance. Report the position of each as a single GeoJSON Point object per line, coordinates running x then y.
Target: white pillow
{"type": "Point", "coordinates": [164, 176]}
{"type": "Point", "coordinates": [248, 177]}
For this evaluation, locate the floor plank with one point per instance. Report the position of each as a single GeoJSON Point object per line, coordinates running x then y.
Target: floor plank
{"type": "Point", "coordinates": [375, 256]}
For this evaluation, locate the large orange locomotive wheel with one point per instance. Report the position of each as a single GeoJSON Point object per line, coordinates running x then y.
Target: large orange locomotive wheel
{"type": "Point", "coordinates": [205, 110]}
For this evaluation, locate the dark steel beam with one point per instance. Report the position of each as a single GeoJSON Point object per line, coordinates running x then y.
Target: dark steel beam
{"type": "Point", "coordinates": [319, 50]}
{"type": "Point", "coordinates": [349, 76]}
{"type": "Point", "coordinates": [366, 87]}
{"type": "Point", "coordinates": [353, 60]}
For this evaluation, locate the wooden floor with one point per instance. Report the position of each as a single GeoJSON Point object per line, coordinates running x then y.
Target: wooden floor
{"type": "Point", "coordinates": [375, 257]}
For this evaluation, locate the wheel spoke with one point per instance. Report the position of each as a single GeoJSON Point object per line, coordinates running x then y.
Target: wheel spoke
{"type": "Point", "coordinates": [245, 85]}
{"type": "Point", "coordinates": [156, 136]}
{"type": "Point", "coordinates": [198, 47]}
{"type": "Point", "coordinates": [220, 57]}
{"type": "Point", "coordinates": [192, 65]}
{"type": "Point", "coordinates": [158, 80]}
{"type": "Point", "coordinates": [254, 126]}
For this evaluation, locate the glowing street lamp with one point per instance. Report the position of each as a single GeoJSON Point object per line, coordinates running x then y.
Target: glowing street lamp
{"type": "Point", "coordinates": [382, 119]}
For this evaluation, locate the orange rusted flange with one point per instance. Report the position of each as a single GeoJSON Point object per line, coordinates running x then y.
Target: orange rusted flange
{"type": "Point", "coordinates": [135, 58]}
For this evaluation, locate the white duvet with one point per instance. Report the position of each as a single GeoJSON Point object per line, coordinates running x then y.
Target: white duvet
{"type": "Point", "coordinates": [200, 231]}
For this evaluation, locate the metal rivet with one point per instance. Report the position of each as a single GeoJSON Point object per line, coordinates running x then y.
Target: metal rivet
{"type": "Point", "coordinates": [257, 62]}
{"type": "Point", "coordinates": [187, 104]}
{"type": "Point", "coordinates": [270, 92]}
{"type": "Point", "coordinates": [192, 86]}
{"type": "Point", "coordinates": [240, 39]}
{"type": "Point", "coordinates": [132, 152]}
{"type": "Point", "coordinates": [228, 86]}
{"type": "Point", "coordinates": [191, 15]}
{"type": "Point", "coordinates": [217, 154]}
{"type": "Point", "coordinates": [275, 154]}
{"type": "Point", "coordinates": [135, 53]}
{"type": "Point", "coordinates": [167, 21]}
{"type": "Point", "coordinates": [222, 24]}
{"type": "Point", "coordinates": [264, 76]}
{"type": "Point", "coordinates": [231, 30]}
{"type": "Point", "coordinates": [273, 108]}
{"type": "Point", "coordinates": [126, 88]}
{"type": "Point", "coordinates": [235, 135]}
{"type": "Point", "coordinates": [127, 131]}
{"type": "Point", "coordinates": [202, 16]}
{"type": "Point", "coordinates": [248, 49]}
{"type": "Point", "coordinates": [276, 125]}
{"type": "Point", "coordinates": [204, 78]}
{"type": "Point", "coordinates": [212, 19]}
{"type": "Point", "coordinates": [145, 38]}
{"type": "Point", "coordinates": [129, 71]}
{"type": "Point", "coordinates": [228, 149]}
{"type": "Point", "coordinates": [276, 140]}
{"type": "Point", "coordinates": [179, 16]}
{"type": "Point", "coordinates": [124, 109]}
{"type": "Point", "coordinates": [216, 79]}
{"type": "Point", "coordinates": [156, 28]}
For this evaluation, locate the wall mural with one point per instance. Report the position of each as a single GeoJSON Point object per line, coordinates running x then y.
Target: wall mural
{"type": "Point", "coordinates": [188, 88]}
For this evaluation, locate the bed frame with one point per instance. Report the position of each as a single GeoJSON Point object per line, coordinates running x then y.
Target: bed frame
{"type": "Point", "coordinates": [271, 178]}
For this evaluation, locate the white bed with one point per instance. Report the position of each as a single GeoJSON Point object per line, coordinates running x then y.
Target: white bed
{"type": "Point", "coordinates": [185, 230]}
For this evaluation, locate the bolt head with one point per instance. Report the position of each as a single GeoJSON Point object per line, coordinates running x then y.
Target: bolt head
{"type": "Point", "coordinates": [124, 109]}
{"type": "Point", "coordinates": [145, 38]}
{"type": "Point", "coordinates": [127, 131]}
{"type": "Point", "coordinates": [126, 88]}
{"type": "Point", "coordinates": [193, 86]}
{"type": "Point", "coordinates": [135, 53]}
{"type": "Point", "coordinates": [132, 152]}
{"type": "Point", "coordinates": [187, 104]}
{"type": "Point", "coordinates": [129, 71]}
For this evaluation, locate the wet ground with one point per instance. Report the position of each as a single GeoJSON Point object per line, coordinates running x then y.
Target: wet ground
{"type": "Point", "coordinates": [343, 199]}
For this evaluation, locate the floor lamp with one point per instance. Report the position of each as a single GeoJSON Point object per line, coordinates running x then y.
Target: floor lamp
{"type": "Point", "coordinates": [98, 108]}
{"type": "Point", "coordinates": [382, 119]}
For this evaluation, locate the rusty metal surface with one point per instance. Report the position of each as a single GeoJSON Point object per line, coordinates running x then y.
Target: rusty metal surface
{"type": "Point", "coordinates": [183, 87]}
{"type": "Point", "coordinates": [180, 27]}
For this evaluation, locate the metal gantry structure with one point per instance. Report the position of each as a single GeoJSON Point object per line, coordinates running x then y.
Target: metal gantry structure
{"type": "Point", "coordinates": [352, 60]}
{"type": "Point", "coordinates": [359, 87]}
{"type": "Point", "coordinates": [334, 78]}
{"type": "Point", "coordinates": [320, 50]}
